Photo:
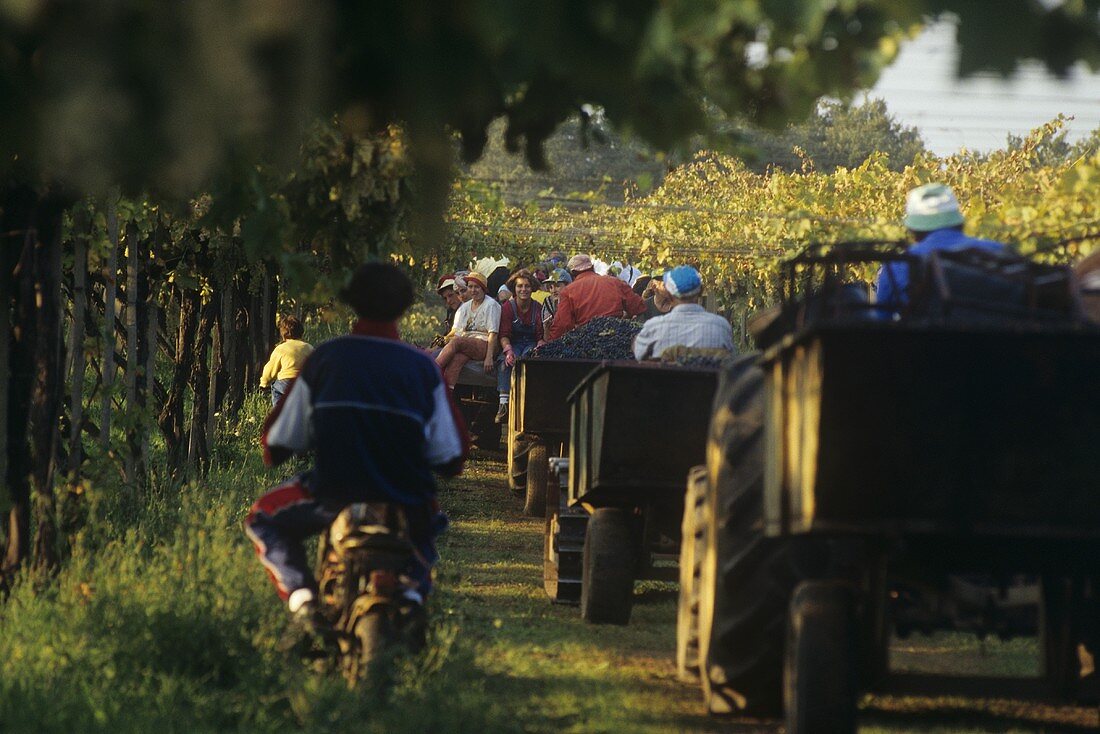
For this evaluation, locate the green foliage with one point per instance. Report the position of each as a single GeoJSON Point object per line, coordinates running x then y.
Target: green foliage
{"type": "Point", "coordinates": [168, 98]}
{"type": "Point", "coordinates": [162, 620]}
{"type": "Point", "coordinates": [584, 155]}
{"type": "Point", "coordinates": [837, 134]}
{"type": "Point", "coordinates": [736, 225]}
{"type": "Point", "coordinates": [1055, 149]}
{"type": "Point", "coordinates": [423, 321]}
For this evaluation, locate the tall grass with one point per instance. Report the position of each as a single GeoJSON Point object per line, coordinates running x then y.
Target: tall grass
{"type": "Point", "coordinates": [162, 620]}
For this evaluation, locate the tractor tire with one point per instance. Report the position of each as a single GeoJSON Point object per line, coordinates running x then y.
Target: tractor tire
{"type": "Point", "coordinates": [691, 556]}
{"type": "Point", "coordinates": [746, 579]}
{"type": "Point", "coordinates": [609, 564]}
{"type": "Point", "coordinates": [538, 471]}
{"type": "Point", "coordinates": [820, 675]}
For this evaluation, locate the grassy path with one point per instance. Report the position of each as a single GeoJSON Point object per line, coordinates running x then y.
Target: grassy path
{"type": "Point", "coordinates": [558, 674]}
{"type": "Point", "coordinates": [162, 620]}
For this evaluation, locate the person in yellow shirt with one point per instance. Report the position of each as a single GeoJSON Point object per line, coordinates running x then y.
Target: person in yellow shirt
{"type": "Point", "coordinates": [286, 359]}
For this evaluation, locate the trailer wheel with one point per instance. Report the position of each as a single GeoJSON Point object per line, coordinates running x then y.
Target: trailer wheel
{"type": "Point", "coordinates": [691, 556]}
{"type": "Point", "coordinates": [517, 463]}
{"type": "Point", "coordinates": [537, 474]}
{"type": "Point", "coordinates": [820, 681]}
{"type": "Point", "coordinates": [607, 581]}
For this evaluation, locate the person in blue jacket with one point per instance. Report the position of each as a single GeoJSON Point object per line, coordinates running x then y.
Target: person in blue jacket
{"type": "Point", "coordinates": [379, 418]}
{"type": "Point", "coordinates": [934, 220]}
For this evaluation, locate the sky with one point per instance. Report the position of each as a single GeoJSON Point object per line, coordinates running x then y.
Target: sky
{"type": "Point", "coordinates": [921, 90]}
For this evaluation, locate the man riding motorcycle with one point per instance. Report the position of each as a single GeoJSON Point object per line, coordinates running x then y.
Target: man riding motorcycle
{"type": "Point", "coordinates": [379, 418]}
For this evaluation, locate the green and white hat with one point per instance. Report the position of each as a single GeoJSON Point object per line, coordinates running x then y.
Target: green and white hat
{"type": "Point", "coordinates": [930, 207]}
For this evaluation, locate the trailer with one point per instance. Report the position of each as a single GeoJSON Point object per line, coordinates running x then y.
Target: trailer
{"type": "Point", "coordinates": [475, 393]}
{"type": "Point", "coordinates": [538, 423]}
{"type": "Point", "coordinates": [636, 429]}
{"type": "Point", "coordinates": [951, 443]}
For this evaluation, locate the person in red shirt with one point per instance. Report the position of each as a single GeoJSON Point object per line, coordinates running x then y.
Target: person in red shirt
{"type": "Point", "coordinates": [590, 296]}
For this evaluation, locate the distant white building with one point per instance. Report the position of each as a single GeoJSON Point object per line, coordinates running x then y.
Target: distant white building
{"type": "Point", "coordinates": [921, 90]}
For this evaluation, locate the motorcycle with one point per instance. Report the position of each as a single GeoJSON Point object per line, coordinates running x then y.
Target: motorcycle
{"type": "Point", "coordinates": [361, 563]}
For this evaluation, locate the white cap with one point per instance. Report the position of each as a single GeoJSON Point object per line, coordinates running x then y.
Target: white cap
{"type": "Point", "coordinates": [930, 207]}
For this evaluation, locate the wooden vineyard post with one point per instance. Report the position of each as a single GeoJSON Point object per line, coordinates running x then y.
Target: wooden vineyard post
{"type": "Point", "coordinates": [110, 294]}
{"type": "Point", "coordinates": [135, 464]}
{"type": "Point", "coordinates": [46, 397]}
{"type": "Point", "coordinates": [76, 339]}
{"type": "Point", "coordinates": [11, 521]}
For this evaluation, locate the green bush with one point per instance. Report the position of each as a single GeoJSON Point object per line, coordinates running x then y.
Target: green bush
{"type": "Point", "coordinates": [162, 620]}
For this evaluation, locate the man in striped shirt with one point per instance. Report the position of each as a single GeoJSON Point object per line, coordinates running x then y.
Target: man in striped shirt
{"type": "Point", "coordinates": [687, 324]}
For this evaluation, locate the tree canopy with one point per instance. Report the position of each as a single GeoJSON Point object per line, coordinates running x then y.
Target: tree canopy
{"type": "Point", "coordinates": [164, 95]}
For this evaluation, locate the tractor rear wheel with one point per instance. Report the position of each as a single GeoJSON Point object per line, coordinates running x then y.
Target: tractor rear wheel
{"type": "Point", "coordinates": [820, 674]}
{"type": "Point", "coordinates": [691, 556]}
{"type": "Point", "coordinates": [746, 578]}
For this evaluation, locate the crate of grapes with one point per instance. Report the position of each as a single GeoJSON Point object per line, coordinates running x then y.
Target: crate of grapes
{"type": "Point", "coordinates": [538, 422]}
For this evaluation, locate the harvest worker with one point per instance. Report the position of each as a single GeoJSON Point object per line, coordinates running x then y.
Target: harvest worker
{"type": "Point", "coordinates": [286, 359]}
{"type": "Point", "coordinates": [687, 324]}
{"type": "Point", "coordinates": [554, 284]}
{"type": "Point", "coordinates": [379, 418]}
{"type": "Point", "coordinates": [538, 292]}
{"type": "Point", "coordinates": [474, 334]}
{"type": "Point", "coordinates": [520, 332]}
{"type": "Point", "coordinates": [460, 286]}
{"type": "Point", "coordinates": [934, 221]}
{"type": "Point", "coordinates": [657, 300]}
{"type": "Point", "coordinates": [445, 288]}
{"type": "Point", "coordinates": [590, 296]}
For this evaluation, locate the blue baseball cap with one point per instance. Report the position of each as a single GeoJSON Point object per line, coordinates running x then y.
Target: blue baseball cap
{"type": "Point", "coordinates": [683, 281]}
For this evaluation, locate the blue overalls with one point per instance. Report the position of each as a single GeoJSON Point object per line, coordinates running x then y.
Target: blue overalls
{"type": "Point", "coordinates": [524, 337]}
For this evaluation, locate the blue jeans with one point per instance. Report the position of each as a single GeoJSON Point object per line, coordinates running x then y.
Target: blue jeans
{"type": "Point", "coordinates": [278, 390]}
{"type": "Point", "coordinates": [504, 374]}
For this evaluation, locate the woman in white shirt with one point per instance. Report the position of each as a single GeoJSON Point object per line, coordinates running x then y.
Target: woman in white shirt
{"type": "Point", "coordinates": [474, 333]}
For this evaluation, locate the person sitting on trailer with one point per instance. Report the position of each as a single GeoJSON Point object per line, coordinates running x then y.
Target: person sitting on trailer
{"type": "Point", "coordinates": [539, 293]}
{"type": "Point", "coordinates": [461, 288]}
{"type": "Point", "coordinates": [474, 334]}
{"type": "Point", "coordinates": [286, 359]}
{"type": "Point", "coordinates": [935, 223]}
{"type": "Point", "coordinates": [520, 332]}
{"type": "Point", "coordinates": [445, 288]}
{"type": "Point", "coordinates": [379, 418]}
{"type": "Point", "coordinates": [657, 300]}
{"type": "Point", "coordinates": [687, 324]}
{"type": "Point", "coordinates": [554, 283]}
{"type": "Point", "coordinates": [590, 296]}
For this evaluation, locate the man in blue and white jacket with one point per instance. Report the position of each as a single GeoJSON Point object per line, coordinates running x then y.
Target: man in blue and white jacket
{"type": "Point", "coordinates": [380, 420]}
{"type": "Point", "coordinates": [935, 222]}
